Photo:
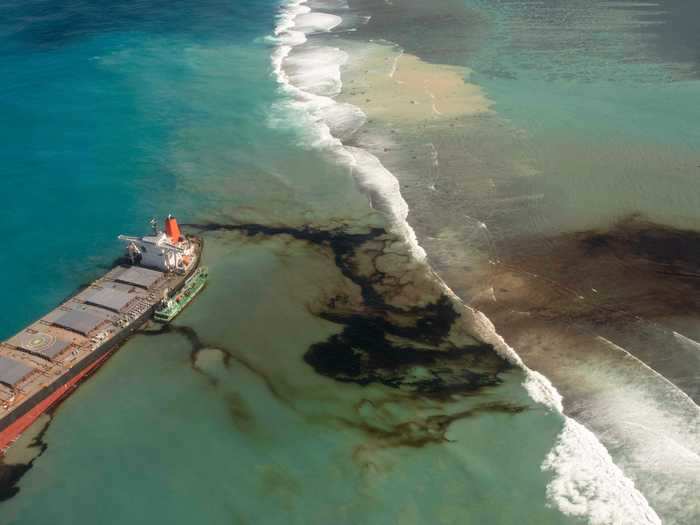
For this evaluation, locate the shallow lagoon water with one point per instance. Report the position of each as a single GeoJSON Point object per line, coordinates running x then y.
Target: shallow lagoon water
{"type": "Point", "coordinates": [220, 417]}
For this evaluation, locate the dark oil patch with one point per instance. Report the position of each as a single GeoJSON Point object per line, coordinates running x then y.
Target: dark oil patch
{"type": "Point", "coordinates": [418, 433]}
{"type": "Point", "coordinates": [363, 354]}
{"type": "Point", "coordinates": [281, 485]}
{"type": "Point", "coordinates": [240, 412]}
{"type": "Point", "coordinates": [187, 332]}
{"type": "Point", "coordinates": [624, 283]}
{"type": "Point", "coordinates": [635, 268]}
{"type": "Point", "coordinates": [11, 474]}
{"type": "Point", "coordinates": [669, 251]}
{"type": "Point", "coordinates": [382, 342]}
{"type": "Point", "coordinates": [228, 358]}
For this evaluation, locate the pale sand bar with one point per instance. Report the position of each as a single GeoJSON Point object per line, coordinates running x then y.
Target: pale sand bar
{"type": "Point", "coordinates": [394, 86]}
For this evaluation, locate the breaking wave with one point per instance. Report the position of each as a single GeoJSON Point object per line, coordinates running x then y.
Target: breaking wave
{"type": "Point", "coordinates": [311, 77]}
{"type": "Point", "coordinates": [586, 483]}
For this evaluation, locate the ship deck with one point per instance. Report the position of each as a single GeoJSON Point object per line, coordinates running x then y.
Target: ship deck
{"type": "Point", "coordinates": [65, 337]}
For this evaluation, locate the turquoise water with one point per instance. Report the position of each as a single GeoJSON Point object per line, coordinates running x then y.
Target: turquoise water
{"type": "Point", "coordinates": [95, 100]}
{"type": "Point", "coordinates": [264, 439]}
{"type": "Point", "coordinates": [607, 99]}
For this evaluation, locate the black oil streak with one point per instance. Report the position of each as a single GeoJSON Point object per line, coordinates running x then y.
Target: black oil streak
{"type": "Point", "coordinates": [675, 251]}
{"type": "Point", "coordinates": [422, 432]}
{"type": "Point", "coordinates": [197, 345]}
{"type": "Point", "coordinates": [640, 270]}
{"type": "Point", "coordinates": [363, 352]}
{"type": "Point", "coordinates": [11, 474]}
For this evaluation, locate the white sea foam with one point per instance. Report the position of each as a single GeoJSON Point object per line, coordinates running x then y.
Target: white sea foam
{"type": "Point", "coordinates": [687, 340]}
{"type": "Point", "coordinates": [343, 120]}
{"type": "Point", "coordinates": [586, 482]}
{"type": "Point", "coordinates": [676, 392]}
{"type": "Point", "coordinates": [316, 70]}
{"type": "Point", "coordinates": [538, 386]}
{"type": "Point", "coordinates": [311, 76]}
{"type": "Point", "coordinates": [314, 22]}
{"type": "Point", "coordinates": [385, 195]}
{"type": "Point", "coordinates": [655, 424]}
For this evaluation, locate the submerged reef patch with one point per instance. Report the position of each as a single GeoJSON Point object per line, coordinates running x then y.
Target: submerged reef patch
{"type": "Point", "coordinates": [655, 270]}
{"type": "Point", "coordinates": [631, 284]}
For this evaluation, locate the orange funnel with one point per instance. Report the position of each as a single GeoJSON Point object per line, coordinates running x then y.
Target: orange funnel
{"type": "Point", "coordinates": [172, 230]}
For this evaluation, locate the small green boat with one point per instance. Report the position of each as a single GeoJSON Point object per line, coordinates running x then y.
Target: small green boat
{"type": "Point", "coordinates": [171, 307]}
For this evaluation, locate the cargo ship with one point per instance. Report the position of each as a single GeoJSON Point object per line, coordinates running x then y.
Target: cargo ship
{"type": "Point", "coordinates": [44, 362]}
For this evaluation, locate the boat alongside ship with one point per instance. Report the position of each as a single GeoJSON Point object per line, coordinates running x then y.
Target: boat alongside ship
{"type": "Point", "coordinates": [45, 361]}
{"type": "Point", "coordinates": [172, 306]}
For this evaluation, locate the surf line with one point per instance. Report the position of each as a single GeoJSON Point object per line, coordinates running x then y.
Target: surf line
{"type": "Point", "coordinates": [395, 65]}
{"type": "Point", "coordinates": [677, 391]}
{"type": "Point", "coordinates": [585, 476]}
{"type": "Point", "coordinates": [687, 339]}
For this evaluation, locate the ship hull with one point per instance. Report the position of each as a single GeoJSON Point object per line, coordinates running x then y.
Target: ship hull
{"type": "Point", "coordinates": [14, 424]}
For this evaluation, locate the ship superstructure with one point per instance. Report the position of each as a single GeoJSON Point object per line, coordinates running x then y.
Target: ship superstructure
{"type": "Point", "coordinates": [42, 363]}
{"type": "Point", "coordinates": [167, 251]}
